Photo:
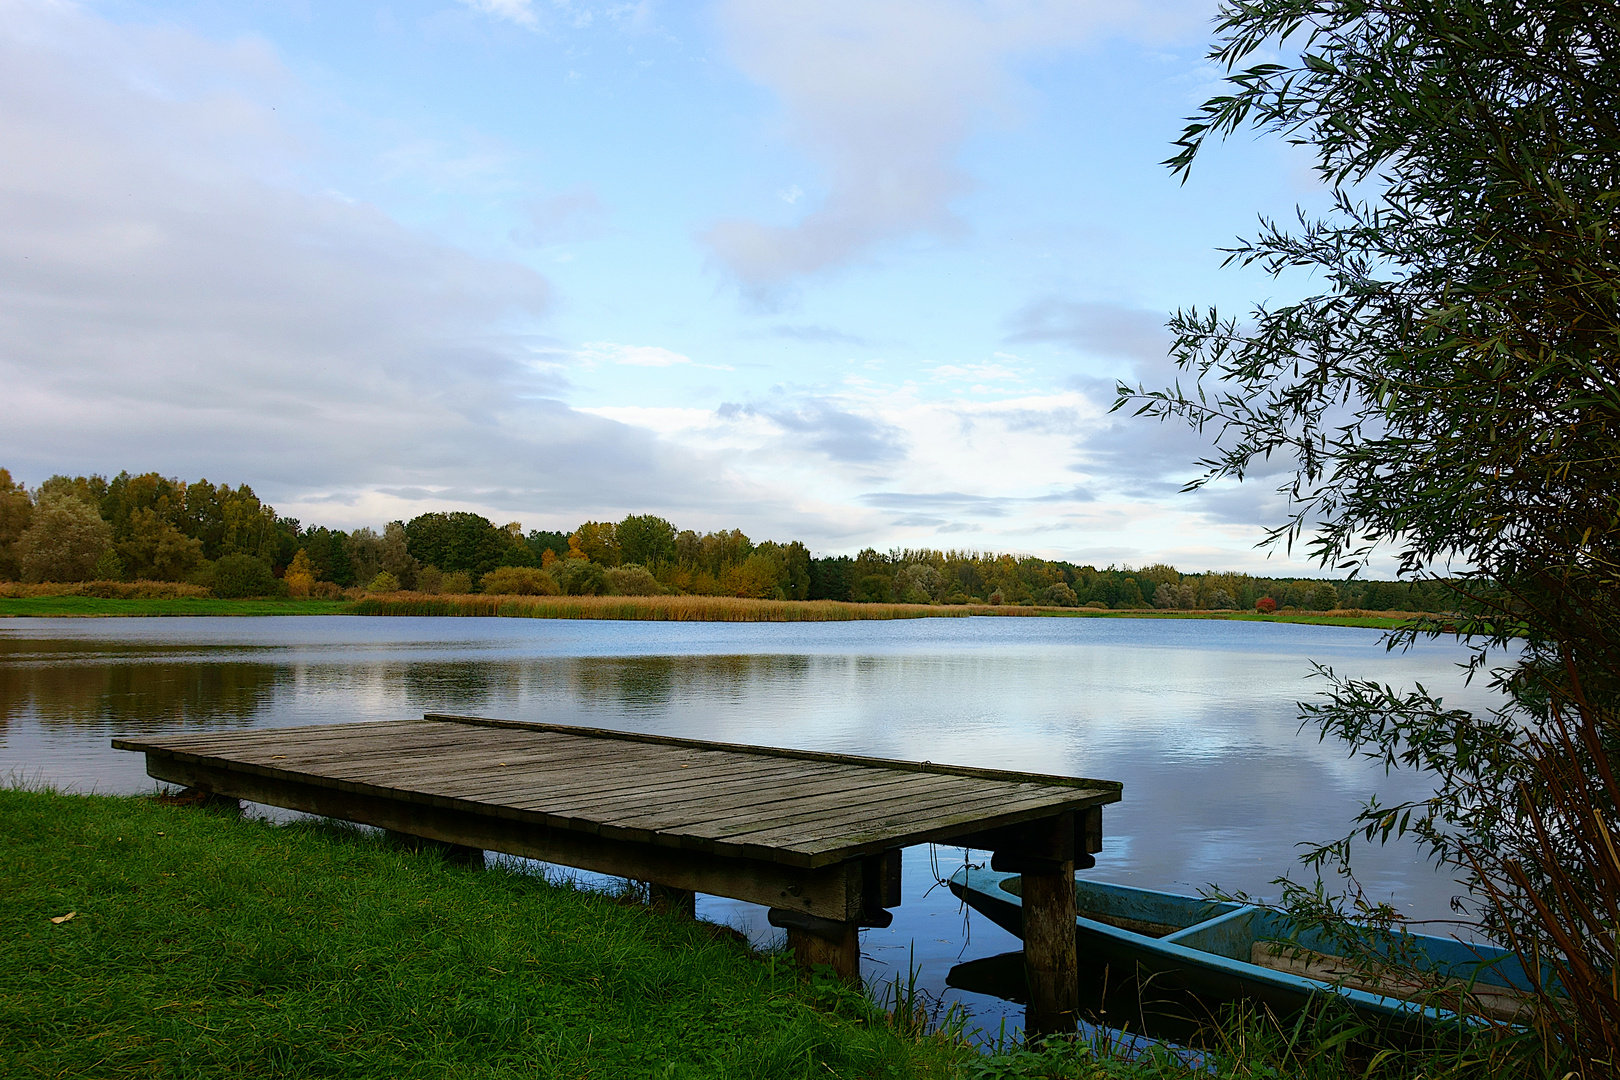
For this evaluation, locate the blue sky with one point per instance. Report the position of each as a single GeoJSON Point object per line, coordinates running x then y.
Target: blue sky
{"type": "Point", "coordinates": [854, 273]}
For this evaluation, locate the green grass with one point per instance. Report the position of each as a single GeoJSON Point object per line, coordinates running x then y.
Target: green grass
{"type": "Point", "coordinates": [206, 945]}
{"type": "Point", "coordinates": [209, 946]}
{"type": "Point", "coordinates": [180, 605]}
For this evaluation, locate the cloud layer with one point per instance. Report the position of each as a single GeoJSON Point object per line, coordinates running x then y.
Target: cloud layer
{"type": "Point", "coordinates": [881, 94]}
{"type": "Point", "coordinates": [174, 298]}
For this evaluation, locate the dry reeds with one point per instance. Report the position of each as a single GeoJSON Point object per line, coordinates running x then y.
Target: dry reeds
{"type": "Point", "coordinates": [107, 590]}
{"type": "Point", "coordinates": [668, 608]}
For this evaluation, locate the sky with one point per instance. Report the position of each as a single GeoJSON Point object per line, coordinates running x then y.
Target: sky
{"type": "Point", "coordinates": [853, 272]}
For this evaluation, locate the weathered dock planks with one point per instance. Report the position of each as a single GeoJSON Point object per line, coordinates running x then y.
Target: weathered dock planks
{"type": "Point", "coordinates": [814, 836]}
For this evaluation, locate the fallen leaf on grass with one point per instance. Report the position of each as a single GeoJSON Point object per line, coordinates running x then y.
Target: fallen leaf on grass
{"type": "Point", "coordinates": [59, 919]}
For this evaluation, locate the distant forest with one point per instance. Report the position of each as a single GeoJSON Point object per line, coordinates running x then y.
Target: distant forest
{"type": "Point", "coordinates": [150, 527]}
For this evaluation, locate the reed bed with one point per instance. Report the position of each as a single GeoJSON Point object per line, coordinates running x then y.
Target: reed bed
{"type": "Point", "coordinates": [106, 590]}
{"type": "Point", "coordinates": [667, 608]}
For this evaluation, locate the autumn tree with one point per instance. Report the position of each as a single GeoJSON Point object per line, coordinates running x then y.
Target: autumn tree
{"type": "Point", "coordinates": [300, 576]}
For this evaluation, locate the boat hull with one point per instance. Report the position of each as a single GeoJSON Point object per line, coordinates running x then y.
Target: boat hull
{"type": "Point", "coordinates": [1203, 948]}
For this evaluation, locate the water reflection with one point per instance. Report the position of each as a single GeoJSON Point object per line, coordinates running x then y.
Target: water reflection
{"type": "Point", "coordinates": [137, 696]}
{"type": "Point", "coordinates": [1197, 719]}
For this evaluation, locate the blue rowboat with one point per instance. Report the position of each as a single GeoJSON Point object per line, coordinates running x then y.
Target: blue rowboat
{"type": "Point", "coordinates": [1226, 951]}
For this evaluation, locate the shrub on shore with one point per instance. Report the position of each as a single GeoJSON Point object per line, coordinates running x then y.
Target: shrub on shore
{"type": "Point", "coordinates": [518, 581]}
{"type": "Point", "coordinates": [237, 576]}
{"type": "Point", "coordinates": [632, 579]}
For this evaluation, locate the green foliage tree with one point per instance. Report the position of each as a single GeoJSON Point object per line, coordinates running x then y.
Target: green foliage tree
{"type": "Point", "coordinates": [383, 582]}
{"type": "Point", "coordinates": [109, 567]}
{"type": "Point", "coordinates": [646, 539]}
{"type": "Point", "coordinates": [831, 578]}
{"type": "Point", "coordinates": [919, 583]}
{"type": "Point", "coordinates": [1451, 392]}
{"type": "Point", "coordinates": [1060, 595]}
{"type": "Point", "coordinates": [395, 556]}
{"type": "Point", "coordinates": [457, 541]}
{"type": "Point", "coordinates": [238, 575]}
{"type": "Point", "coordinates": [579, 577]}
{"type": "Point", "coordinates": [541, 541]}
{"type": "Point", "coordinates": [365, 553]}
{"type": "Point", "coordinates": [515, 549]}
{"type": "Point", "coordinates": [328, 552]}
{"type": "Point", "coordinates": [16, 508]}
{"type": "Point", "coordinates": [89, 489]}
{"type": "Point", "coordinates": [64, 540]}
{"type": "Point", "coordinates": [154, 550]}
{"type": "Point", "coordinates": [796, 583]}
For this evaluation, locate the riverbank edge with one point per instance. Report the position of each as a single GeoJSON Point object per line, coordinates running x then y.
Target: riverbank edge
{"type": "Point", "coordinates": [148, 937]}
{"type": "Point", "coordinates": [633, 608]}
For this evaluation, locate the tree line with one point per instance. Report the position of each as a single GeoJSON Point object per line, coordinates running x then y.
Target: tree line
{"type": "Point", "coordinates": [151, 527]}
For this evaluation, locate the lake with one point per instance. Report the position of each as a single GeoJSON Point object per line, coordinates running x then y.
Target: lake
{"type": "Point", "coordinates": [1196, 717]}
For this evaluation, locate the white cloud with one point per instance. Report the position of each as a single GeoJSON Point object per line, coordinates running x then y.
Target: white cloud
{"type": "Point", "coordinates": [969, 372]}
{"type": "Point", "coordinates": [174, 299]}
{"type": "Point", "coordinates": [592, 353]}
{"type": "Point", "coordinates": [516, 11]}
{"type": "Point", "coordinates": [882, 93]}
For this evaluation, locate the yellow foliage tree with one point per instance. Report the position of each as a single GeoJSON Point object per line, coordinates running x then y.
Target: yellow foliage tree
{"type": "Point", "coordinates": [300, 576]}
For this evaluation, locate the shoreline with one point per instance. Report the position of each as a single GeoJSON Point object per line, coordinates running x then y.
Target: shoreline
{"type": "Point", "coordinates": [636, 608]}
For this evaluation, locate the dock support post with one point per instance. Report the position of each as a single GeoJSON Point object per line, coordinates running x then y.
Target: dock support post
{"type": "Point", "coordinates": [843, 956]}
{"type": "Point", "coordinates": [1044, 854]}
{"type": "Point", "coordinates": [821, 942]}
{"type": "Point", "coordinates": [1050, 965]}
{"type": "Point", "coordinates": [674, 901]}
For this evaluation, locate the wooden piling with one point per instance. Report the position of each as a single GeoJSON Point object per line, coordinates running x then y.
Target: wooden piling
{"type": "Point", "coordinates": [1050, 966]}
{"type": "Point", "coordinates": [841, 953]}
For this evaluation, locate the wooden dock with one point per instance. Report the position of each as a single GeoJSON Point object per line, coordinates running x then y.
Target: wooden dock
{"type": "Point", "coordinates": [815, 837]}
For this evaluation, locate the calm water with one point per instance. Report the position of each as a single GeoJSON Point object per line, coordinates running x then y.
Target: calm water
{"type": "Point", "coordinates": [1196, 718]}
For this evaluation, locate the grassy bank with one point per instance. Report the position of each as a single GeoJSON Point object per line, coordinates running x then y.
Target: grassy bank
{"type": "Point", "coordinates": [202, 945]}
{"type": "Point", "coordinates": [149, 940]}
